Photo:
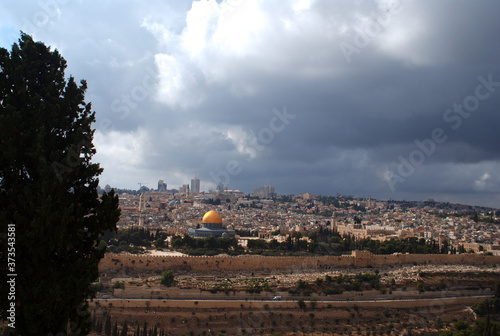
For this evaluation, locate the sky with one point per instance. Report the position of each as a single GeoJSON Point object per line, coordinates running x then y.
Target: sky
{"type": "Point", "coordinates": [389, 99]}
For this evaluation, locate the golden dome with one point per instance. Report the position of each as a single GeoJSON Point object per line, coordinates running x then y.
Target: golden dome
{"type": "Point", "coordinates": [212, 217]}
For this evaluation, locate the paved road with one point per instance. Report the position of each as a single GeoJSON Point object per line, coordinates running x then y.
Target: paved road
{"type": "Point", "coordinates": [306, 299]}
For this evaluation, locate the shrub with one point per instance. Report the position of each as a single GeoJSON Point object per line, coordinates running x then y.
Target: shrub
{"type": "Point", "coordinates": [167, 278]}
{"type": "Point", "coordinates": [119, 284]}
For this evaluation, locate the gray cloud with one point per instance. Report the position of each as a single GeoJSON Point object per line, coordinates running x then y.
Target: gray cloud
{"type": "Point", "coordinates": [185, 88]}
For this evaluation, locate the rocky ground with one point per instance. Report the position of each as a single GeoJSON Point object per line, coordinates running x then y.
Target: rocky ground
{"type": "Point", "coordinates": [353, 320]}
{"type": "Point", "coordinates": [247, 314]}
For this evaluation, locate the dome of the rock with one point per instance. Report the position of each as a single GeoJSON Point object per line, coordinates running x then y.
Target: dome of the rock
{"type": "Point", "coordinates": [212, 217]}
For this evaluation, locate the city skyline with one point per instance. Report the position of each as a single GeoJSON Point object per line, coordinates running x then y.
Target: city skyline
{"type": "Point", "coordinates": [389, 99]}
{"type": "Point", "coordinates": [268, 191]}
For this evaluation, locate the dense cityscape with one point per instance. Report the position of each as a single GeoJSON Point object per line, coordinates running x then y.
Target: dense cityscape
{"type": "Point", "coordinates": [263, 214]}
{"type": "Point", "coordinates": [324, 255]}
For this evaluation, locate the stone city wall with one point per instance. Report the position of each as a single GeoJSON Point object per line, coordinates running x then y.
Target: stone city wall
{"type": "Point", "coordinates": [364, 259]}
{"type": "Point", "coordinates": [142, 263]}
{"type": "Point", "coordinates": [207, 264]}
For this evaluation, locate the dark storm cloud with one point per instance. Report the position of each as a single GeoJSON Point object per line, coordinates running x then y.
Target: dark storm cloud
{"type": "Point", "coordinates": [185, 88]}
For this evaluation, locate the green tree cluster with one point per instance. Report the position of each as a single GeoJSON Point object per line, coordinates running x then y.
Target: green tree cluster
{"type": "Point", "coordinates": [133, 239]}
{"type": "Point", "coordinates": [206, 246]}
{"type": "Point", "coordinates": [482, 327]}
{"type": "Point", "coordinates": [328, 242]}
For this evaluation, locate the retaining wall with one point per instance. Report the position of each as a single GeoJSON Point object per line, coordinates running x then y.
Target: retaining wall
{"type": "Point", "coordinates": [142, 263]}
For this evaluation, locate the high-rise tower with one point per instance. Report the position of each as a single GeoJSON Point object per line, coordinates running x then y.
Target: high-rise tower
{"type": "Point", "coordinates": [162, 186]}
{"type": "Point", "coordinates": [195, 185]}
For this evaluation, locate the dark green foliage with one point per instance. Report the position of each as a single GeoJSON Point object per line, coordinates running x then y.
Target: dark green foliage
{"type": "Point", "coordinates": [323, 242]}
{"type": "Point", "coordinates": [48, 189]}
{"type": "Point", "coordinates": [167, 278]}
{"type": "Point", "coordinates": [360, 281]}
{"type": "Point", "coordinates": [206, 246]}
{"type": "Point", "coordinates": [332, 291]}
{"type": "Point", "coordinates": [95, 287]}
{"type": "Point", "coordinates": [257, 285]}
{"type": "Point", "coordinates": [460, 325]}
{"type": "Point", "coordinates": [257, 244]}
{"type": "Point", "coordinates": [487, 306]}
{"type": "Point", "coordinates": [115, 329]}
{"type": "Point", "coordinates": [119, 285]}
{"type": "Point", "coordinates": [302, 284]}
{"type": "Point", "coordinates": [481, 327]}
{"type": "Point", "coordinates": [124, 329]}
{"type": "Point", "coordinates": [98, 327]}
{"type": "Point", "coordinates": [160, 243]}
{"type": "Point", "coordinates": [131, 240]}
{"type": "Point", "coordinates": [107, 326]}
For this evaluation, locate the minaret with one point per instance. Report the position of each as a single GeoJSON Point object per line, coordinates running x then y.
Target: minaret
{"type": "Point", "coordinates": [141, 220]}
{"type": "Point", "coordinates": [334, 223]}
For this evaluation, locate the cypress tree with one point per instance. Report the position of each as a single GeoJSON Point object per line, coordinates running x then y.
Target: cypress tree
{"type": "Point", "coordinates": [124, 329]}
{"type": "Point", "coordinates": [99, 330]}
{"type": "Point", "coordinates": [93, 320]}
{"type": "Point", "coordinates": [48, 191]}
{"type": "Point", "coordinates": [115, 329]}
{"type": "Point", "coordinates": [98, 326]}
{"type": "Point", "coordinates": [107, 326]}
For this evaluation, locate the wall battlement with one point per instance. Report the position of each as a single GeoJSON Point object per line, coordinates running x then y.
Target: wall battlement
{"type": "Point", "coordinates": [157, 264]}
